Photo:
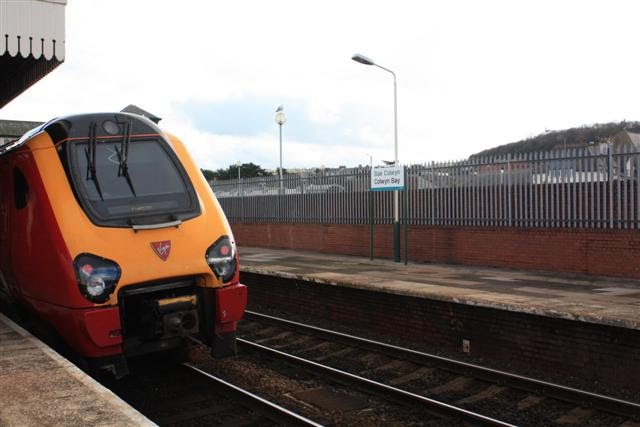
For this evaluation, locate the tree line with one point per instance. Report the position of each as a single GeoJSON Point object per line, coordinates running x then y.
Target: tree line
{"type": "Point", "coordinates": [247, 170]}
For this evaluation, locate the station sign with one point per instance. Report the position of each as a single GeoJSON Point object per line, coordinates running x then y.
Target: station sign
{"type": "Point", "coordinates": [387, 178]}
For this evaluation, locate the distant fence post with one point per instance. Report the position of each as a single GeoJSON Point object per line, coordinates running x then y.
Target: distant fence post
{"type": "Point", "coordinates": [370, 218]}
{"type": "Point", "coordinates": [509, 189]}
{"type": "Point", "coordinates": [610, 179]}
{"type": "Point", "coordinates": [406, 216]}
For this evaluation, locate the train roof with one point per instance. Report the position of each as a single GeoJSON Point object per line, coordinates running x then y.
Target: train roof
{"type": "Point", "coordinates": [76, 126]}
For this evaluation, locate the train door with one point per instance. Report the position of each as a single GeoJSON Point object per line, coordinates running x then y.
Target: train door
{"type": "Point", "coordinates": [5, 252]}
{"type": "Point", "coordinates": [22, 228]}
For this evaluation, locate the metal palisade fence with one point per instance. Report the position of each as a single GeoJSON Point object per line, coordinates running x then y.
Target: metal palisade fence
{"type": "Point", "coordinates": [592, 187]}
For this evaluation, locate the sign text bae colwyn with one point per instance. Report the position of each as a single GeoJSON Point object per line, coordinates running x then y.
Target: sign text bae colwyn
{"type": "Point", "coordinates": [387, 178]}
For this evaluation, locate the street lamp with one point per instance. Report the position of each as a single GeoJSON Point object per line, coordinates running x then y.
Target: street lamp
{"type": "Point", "coordinates": [396, 209]}
{"type": "Point", "coordinates": [370, 160]}
{"type": "Point", "coordinates": [240, 194]}
{"type": "Point", "coordinates": [281, 119]}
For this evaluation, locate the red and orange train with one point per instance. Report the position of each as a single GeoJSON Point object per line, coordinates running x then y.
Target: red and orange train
{"type": "Point", "coordinates": [110, 234]}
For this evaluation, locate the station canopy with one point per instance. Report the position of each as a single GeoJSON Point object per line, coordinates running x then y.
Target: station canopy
{"type": "Point", "coordinates": [32, 43]}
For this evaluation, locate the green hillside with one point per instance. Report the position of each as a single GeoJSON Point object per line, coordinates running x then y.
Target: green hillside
{"type": "Point", "coordinates": [571, 138]}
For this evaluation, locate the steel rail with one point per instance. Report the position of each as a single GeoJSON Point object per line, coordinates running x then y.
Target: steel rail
{"type": "Point", "coordinates": [268, 409]}
{"type": "Point", "coordinates": [557, 391]}
{"type": "Point", "coordinates": [435, 406]}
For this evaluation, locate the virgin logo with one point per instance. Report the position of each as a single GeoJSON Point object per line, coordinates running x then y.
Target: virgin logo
{"type": "Point", "coordinates": [162, 249]}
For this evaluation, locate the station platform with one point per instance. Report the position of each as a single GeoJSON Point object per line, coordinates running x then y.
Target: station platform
{"type": "Point", "coordinates": [40, 387]}
{"type": "Point", "coordinates": [599, 300]}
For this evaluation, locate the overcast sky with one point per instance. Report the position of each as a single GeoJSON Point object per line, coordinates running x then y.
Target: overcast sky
{"type": "Point", "coordinates": [471, 74]}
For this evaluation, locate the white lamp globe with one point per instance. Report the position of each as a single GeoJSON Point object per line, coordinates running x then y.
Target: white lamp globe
{"type": "Point", "coordinates": [281, 118]}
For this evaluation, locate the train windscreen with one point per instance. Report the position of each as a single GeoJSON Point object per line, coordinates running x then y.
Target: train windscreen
{"type": "Point", "coordinates": [140, 182]}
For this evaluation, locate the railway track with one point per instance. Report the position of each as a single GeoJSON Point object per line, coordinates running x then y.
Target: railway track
{"type": "Point", "coordinates": [171, 394]}
{"type": "Point", "coordinates": [452, 388]}
{"type": "Point", "coordinates": [374, 387]}
{"type": "Point", "coordinates": [191, 394]}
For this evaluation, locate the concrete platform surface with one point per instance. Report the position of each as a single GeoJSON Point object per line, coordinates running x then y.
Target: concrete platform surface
{"type": "Point", "coordinates": [38, 387]}
{"type": "Point", "coordinates": [601, 300]}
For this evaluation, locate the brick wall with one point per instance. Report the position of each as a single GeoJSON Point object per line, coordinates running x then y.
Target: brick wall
{"type": "Point", "coordinates": [595, 252]}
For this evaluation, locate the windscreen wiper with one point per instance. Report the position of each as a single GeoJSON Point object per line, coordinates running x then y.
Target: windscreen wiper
{"type": "Point", "coordinates": [123, 156]}
{"type": "Point", "coordinates": [90, 152]}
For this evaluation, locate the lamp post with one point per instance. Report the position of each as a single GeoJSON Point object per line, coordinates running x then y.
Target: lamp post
{"type": "Point", "coordinates": [238, 164]}
{"type": "Point", "coordinates": [396, 210]}
{"type": "Point", "coordinates": [281, 119]}
{"type": "Point", "coordinates": [240, 195]}
{"type": "Point", "coordinates": [370, 208]}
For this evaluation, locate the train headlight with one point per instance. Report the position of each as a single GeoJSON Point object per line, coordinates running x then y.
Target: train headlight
{"type": "Point", "coordinates": [97, 277]}
{"type": "Point", "coordinates": [221, 257]}
{"type": "Point", "coordinates": [96, 286]}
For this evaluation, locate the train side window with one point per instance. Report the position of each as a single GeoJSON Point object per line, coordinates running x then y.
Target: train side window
{"type": "Point", "coordinates": [20, 189]}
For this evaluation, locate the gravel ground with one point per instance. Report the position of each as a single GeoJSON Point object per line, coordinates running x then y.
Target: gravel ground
{"type": "Point", "coordinates": [283, 384]}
